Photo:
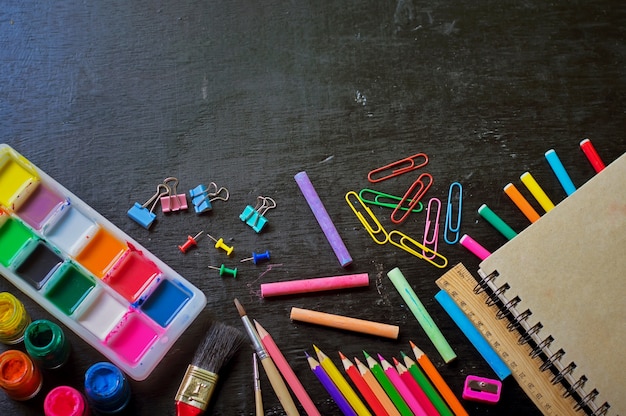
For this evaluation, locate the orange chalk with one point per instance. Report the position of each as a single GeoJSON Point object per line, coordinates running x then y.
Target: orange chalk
{"type": "Point", "coordinates": [344, 322]}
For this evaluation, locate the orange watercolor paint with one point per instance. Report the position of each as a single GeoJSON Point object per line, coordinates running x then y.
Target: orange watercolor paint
{"type": "Point", "coordinates": [102, 251]}
{"type": "Point", "coordinates": [19, 377]}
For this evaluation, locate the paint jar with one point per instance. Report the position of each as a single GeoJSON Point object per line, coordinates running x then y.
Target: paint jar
{"type": "Point", "coordinates": [107, 388]}
{"type": "Point", "coordinates": [13, 319]}
{"type": "Point", "coordinates": [46, 343]}
{"type": "Point", "coordinates": [19, 377]}
{"type": "Point", "coordinates": [65, 401]}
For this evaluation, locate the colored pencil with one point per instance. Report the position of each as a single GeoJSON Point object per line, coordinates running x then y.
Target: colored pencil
{"type": "Point", "coordinates": [391, 391]}
{"type": "Point", "coordinates": [438, 381]}
{"type": "Point", "coordinates": [404, 391]}
{"type": "Point", "coordinates": [341, 383]}
{"type": "Point", "coordinates": [362, 386]}
{"type": "Point", "coordinates": [426, 385]}
{"type": "Point", "coordinates": [376, 388]}
{"type": "Point", "coordinates": [330, 387]}
{"type": "Point", "coordinates": [415, 388]}
{"type": "Point", "coordinates": [285, 369]}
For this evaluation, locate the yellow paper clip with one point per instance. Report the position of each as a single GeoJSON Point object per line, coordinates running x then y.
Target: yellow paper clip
{"type": "Point", "coordinates": [373, 231]}
{"type": "Point", "coordinates": [379, 197]}
{"type": "Point", "coordinates": [453, 230]}
{"type": "Point", "coordinates": [415, 248]}
{"type": "Point", "coordinates": [421, 187]}
{"type": "Point", "coordinates": [434, 206]}
{"type": "Point", "coordinates": [398, 167]}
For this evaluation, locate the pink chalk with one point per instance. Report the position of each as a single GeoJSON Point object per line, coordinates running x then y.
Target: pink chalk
{"type": "Point", "coordinates": [473, 246]}
{"type": "Point", "coordinates": [318, 284]}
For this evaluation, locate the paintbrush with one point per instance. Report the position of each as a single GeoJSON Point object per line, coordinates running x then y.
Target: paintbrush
{"type": "Point", "coordinates": [277, 382]}
{"type": "Point", "coordinates": [219, 345]}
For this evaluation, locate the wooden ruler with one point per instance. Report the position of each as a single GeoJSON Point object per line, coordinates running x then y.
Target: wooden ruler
{"type": "Point", "coordinates": [550, 398]}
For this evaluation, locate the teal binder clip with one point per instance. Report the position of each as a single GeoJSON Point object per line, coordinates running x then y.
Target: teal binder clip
{"type": "Point", "coordinates": [255, 216]}
{"type": "Point", "coordinates": [379, 197]}
{"type": "Point", "coordinates": [144, 216]}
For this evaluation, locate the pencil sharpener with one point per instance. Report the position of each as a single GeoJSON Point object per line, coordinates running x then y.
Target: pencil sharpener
{"type": "Point", "coordinates": [480, 389]}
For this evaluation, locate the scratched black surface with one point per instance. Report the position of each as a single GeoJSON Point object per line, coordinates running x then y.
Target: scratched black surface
{"type": "Point", "coordinates": [109, 98]}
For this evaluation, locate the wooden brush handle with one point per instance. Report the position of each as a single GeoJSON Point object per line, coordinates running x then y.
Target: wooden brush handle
{"type": "Point", "coordinates": [279, 387]}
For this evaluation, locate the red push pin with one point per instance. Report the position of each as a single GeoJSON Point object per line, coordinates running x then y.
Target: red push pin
{"type": "Point", "coordinates": [191, 241]}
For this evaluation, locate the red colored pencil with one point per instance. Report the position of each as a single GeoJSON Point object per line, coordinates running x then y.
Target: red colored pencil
{"type": "Point", "coordinates": [362, 386]}
{"type": "Point", "coordinates": [415, 388]}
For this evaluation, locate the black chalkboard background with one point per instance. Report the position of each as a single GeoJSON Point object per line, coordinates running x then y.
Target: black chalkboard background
{"type": "Point", "coordinates": [109, 98]}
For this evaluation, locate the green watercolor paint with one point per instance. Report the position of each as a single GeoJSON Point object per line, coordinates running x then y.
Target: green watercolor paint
{"type": "Point", "coordinates": [68, 288]}
{"type": "Point", "coordinates": [13, 237]}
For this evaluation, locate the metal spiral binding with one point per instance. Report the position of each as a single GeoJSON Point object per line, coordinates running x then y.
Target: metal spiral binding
{"type": "Point", "coordinates": [541, 346]}
{"type": "Point", "coordinates": [553, 359]}
{"type": "Point", "coordinates": [602, 410]}
{"type": "Point", "coordinates": [584, 402]}
{"type": "Point", "coordinates": [516, 322]}
{"type": "Point", "coordinates": [527, 336]}
{"type": "Point", "coordinates": [494, 297]}
{"type": "Point", "coordinates": [558, 377]}
{"type": "Point", "coordinates": [506, 309]}
{"type": "Point", "coordinates": [574, 387]}
{"type": "Point", "coordinates": [483, 284]}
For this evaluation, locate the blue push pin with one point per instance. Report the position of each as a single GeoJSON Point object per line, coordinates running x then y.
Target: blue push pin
{"type": "Point", "coordinates": [258, 257]}
{"type": "Point", "coordinates": [140, 213]}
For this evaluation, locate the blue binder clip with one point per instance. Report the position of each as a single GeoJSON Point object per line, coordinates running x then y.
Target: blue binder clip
{"type": "Point", "coordinates": [202, 197]}
{"type": "Point", "coordinates": [254, 216]}
{"type": "Point", "coordinates": [140, 213]}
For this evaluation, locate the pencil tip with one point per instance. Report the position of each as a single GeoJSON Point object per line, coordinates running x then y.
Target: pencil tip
{"type": "Point", "coordinates": [365, 354]}
{"type": "Point", "coordinates": [381, 358]}
{"type": "Point", "coordinates": [343, 357]}
{"type": "Point", "coordinates": [395, 361]}
{"type": "Point", "coordinates": [307, 355]}
{"type": "Point", "coordinates": [412, 345]}
{"type": "Point", "coordinates": [402, 354]}
{"type": "Point", "coordinates": [240, 309]}
{"type": "Point", "coordinates": [317, 350]}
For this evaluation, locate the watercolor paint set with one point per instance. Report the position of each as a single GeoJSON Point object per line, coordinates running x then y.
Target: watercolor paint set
{"type": "Point", "coordinates": [87, 273]}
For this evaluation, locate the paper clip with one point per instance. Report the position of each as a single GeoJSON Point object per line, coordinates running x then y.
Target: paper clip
{"type": "Point", "coordinates": [140, 213]}
{"type": "Point", "coordinates": [378, 196]}
{"type": "Point", "coordinates": [431, 243]}
{"type": "Point", "coordinates": [416, 248]}
{"type": "Point", "coordinates": [173, 201]}
{"type": "Point", "coordinates": [254, 216]}
{"type": "Point", "coordinates": [202, 196]}
{"type": "Point", "coordinates": [449, 228]}
{"type": "Point", "coordinates": [419, 193]}
{"type": "Point", "coordinates": [398, 167]}
{"type": "Point", "coordinates": [373, 231]}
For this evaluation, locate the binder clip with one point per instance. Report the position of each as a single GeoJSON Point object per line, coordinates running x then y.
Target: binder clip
{"type": "Point", "coordinates": [480, 389]}
{"type": "Point", "coordinates": [140, 213]}
{"type": "Point", "coordinates": [202, 196]}
{"type": "Point", "coordinates": [173, 201]}
{"type": "Point", "coordinates": [254, 217]}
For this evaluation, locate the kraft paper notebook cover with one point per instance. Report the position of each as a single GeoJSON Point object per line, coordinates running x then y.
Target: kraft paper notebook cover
{"type": "Point", "coordinates": [569, 270]}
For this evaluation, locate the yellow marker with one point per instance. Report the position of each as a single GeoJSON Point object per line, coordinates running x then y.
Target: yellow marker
{"type": "Point", "coordinates": [534, 188]}
{"type": "Point", "coordinates": [341, 383]}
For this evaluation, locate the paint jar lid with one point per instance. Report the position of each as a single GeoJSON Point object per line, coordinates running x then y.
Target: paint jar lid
{"type": "Point", "coordinates": [65, 401]}
{"type": "Point", "coordinates": [46, 343]}
{"type": "Point", "coordinates": [107, 388]}
{"type": "Point", "coordinates": [13, 319]}
{"type": "Point", "coordinates": [19, 377]}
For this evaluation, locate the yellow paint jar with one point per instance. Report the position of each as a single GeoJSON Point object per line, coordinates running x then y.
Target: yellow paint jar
{"type": "Point", "coordinates": [13, 319]}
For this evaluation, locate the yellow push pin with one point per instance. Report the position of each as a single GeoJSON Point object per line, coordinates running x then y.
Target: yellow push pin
{"type": "Point", "coordinates": [220, 244]}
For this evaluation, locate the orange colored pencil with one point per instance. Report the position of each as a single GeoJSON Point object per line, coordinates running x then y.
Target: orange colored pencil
{"type": "Point", "coordinates": [438, 381]}
{"type": "Point", "coordinates": [376, 388]}
{"type": "Point", "coordinates": [362, 386]}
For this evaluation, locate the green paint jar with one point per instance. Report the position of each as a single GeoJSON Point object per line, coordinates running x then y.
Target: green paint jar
{"type": "Point", "coordinates": [46, 343]}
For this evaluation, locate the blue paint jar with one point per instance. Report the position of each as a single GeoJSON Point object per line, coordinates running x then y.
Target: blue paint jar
{"type": "Point", "coordinates": [106, 388]}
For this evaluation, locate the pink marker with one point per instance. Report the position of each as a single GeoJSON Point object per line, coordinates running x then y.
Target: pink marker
{"type": "Point", "coordinates": [473, 246]}
{"type": "Point", "coordinates": [317, 284]}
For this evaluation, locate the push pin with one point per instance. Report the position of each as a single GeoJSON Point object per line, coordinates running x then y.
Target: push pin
{"type": "Point", "coordinates": [225, 270]}
{"type": "Point", "coordinates": [140, 213]}
{"type": "Point", "coordinates": [482, 389]}
{"type": "Point", "coordinates": [191, 241]}
{"type": "Point", "coordinates": [258, 257]}
{"type": "Point", "coordinates": [173, 201]}
{"type": "Point", "coordinates": [220, 244]}
{"type": "Point", "coordinates": [202, 197]}
{"type": "Point", "coordinates": [254, 216]}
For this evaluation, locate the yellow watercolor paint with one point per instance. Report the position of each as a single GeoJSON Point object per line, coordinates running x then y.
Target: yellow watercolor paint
{"type": "Point", "coordinates": [17, 179]}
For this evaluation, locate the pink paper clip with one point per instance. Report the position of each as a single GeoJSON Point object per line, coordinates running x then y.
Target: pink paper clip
{"type": "Point", "coordinates": [480, 389]}
{"type": "Point", "coordinates": [398, 167]}
{"type": "Point", "coordinates": [173, 201]}
{"type": "Point", "coordinates": [431, 243]}
{"type": "Point", "coordinates": [421, 190]}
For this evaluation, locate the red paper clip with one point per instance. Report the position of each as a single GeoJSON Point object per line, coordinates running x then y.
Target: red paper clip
{"type": "Point", "coordinates": [398, 167]}
{"type": "Point", "coordinates": [423, 187]}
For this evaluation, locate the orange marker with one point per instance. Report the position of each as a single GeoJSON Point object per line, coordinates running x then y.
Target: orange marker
{"type": "Point", "coordinates": [521, 202]}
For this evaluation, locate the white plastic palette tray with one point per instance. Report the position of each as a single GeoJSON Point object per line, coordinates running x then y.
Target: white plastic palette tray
{"type": "Point", "coordinates": [87, 273]}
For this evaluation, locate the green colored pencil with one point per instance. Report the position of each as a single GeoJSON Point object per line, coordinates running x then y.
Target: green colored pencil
{"type": "Point", "coordinates": [428, 388]}
{"type": "Point", "coordinates": [391, 391]}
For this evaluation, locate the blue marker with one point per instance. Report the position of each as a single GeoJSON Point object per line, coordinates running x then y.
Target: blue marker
{"type": "Point", "coordinates": [560, 172]}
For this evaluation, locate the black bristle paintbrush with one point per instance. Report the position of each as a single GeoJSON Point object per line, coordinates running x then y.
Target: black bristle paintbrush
{"type": "Point", "coordinates": [219, 345]}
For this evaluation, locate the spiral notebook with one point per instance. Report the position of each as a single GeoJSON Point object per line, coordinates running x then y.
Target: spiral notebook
{"type": "Point", "coordinates": [551, 300]}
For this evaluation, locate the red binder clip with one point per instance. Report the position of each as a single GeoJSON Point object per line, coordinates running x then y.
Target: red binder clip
{"type": "Point", "coordinates": [480, 389]}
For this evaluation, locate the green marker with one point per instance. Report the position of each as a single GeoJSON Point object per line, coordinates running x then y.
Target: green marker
{"type": "Point", "coordinates": [385, 383]}
{"type": "Point", "coordinates": [428, 388]}
{"type": "Point", "coordinates": [421, 314]}
{"type": "Point", "coordinates": [497, 222]}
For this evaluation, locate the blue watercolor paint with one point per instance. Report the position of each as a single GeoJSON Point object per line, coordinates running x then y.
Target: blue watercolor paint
{"type": "Point", "coordinates": [165, 302]}
{"type": "Point", "coordinates": [106, 388]}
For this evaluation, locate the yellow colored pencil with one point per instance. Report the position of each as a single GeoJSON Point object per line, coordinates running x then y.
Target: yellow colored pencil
{"type": "Point", "coordinates": [341, 383]}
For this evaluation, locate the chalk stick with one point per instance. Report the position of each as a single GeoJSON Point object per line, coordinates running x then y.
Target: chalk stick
{"type": "Point", "coordinates": [317, 284]}
{"type": "Point", "coordinates": [344, 322]}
